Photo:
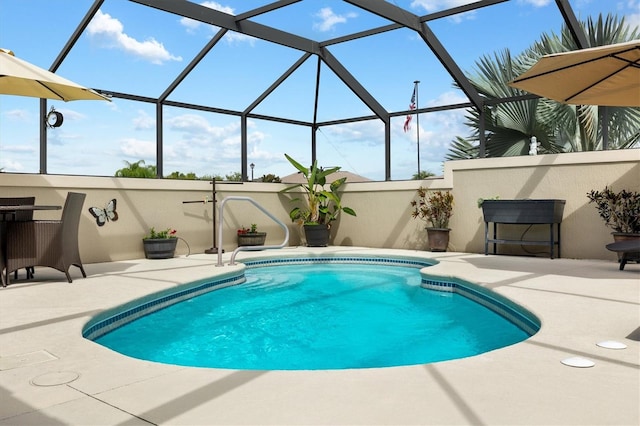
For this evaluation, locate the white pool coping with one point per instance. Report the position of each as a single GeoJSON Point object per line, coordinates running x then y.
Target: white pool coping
{"type": "Point", "coordinates": [49, 374]}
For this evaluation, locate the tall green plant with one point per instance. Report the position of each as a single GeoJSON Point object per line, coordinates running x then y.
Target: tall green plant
{"type": "Point", "coordinates": [323, 206]}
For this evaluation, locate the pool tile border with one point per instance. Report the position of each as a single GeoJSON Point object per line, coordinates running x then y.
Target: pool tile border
{"type": "Point", "coordinates": [503, 306]}
{"type": "Point", "coordinates": [368, 260]}
{"type": "Point", "coordinates": [116, 317]}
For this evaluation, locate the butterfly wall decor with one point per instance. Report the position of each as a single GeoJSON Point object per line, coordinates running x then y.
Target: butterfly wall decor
{"type": "Point", "coordinates": [108, 214]}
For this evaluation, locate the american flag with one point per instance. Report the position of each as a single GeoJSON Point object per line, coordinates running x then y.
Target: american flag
{"type": "Point", "coordinates": [412, 106]}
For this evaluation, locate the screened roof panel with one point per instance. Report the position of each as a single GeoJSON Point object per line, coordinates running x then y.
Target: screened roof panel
{"type": "Point", "coordinates": [328, 19]}
{"type": "Point", "coordinates": [390, 76]}
{"type": "Point", "coordinates": [137, 49]}
{"type": "Point", "coordinates": [234, 73]}
{"type": "Point", "coordinates": [485, 31]}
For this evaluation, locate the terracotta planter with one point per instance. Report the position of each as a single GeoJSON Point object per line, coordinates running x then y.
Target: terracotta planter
{"type": "Point", "coordinates": [317, 235]}
{"type": "Point", "coordinates": [159, 248]}
{"type": "Point", "coordinates": [252, 239]}
{"type": "Point", "coordinates": [438, 238]}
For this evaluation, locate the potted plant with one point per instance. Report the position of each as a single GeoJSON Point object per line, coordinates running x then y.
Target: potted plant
{"type": "Point", "coordinates": [435, 208]}
{"type": "Point", "coordinates": [323, 205]}
{"type": "Point", "coordinates": [251, 236]}
{"type": "Point", "coordinates": [160, 244]}
{"type": "Point", "coordinates": [619, 210]}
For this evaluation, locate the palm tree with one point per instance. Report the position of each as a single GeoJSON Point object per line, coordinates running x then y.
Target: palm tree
{"type": "Point", "coordinates": [137, 170]}
{"type": "Point", "coordinates": [558, 127]}
{"type": "Point", "coordinates": [422, 175]}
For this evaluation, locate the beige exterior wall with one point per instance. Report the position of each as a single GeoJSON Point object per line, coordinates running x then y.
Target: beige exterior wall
{"type": "Point", "coordinates": [383, 207]}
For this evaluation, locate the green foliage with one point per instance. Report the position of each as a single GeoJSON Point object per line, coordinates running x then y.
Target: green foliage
{"type": "Point", "coordinates": [218, 178]}
{"type": "Point", "coordinates": [424, 174]}
{"type": "Point", "coordinates": [619, 210]}
{"type": "Point", "coordinates": [234, 177]}
{"type": "Point", "coordinates": [137, 170]}
{"type": "Point", "coordinates": [270, 178]}
{"type": "Point", "coordinates": [180, 175]}
{"type": "Point", "coordinates": [164, 234]}
{"type": "Point", "coordinates": [481, 200]}
{"type": "Point", "coordinates": [558, 127]}
{"type": "Point", "coordinates": [462, 149]}
{"type": "Point", "coordinates": [435, 207]}
{"type": "Point", "coordinates": [323, 206]}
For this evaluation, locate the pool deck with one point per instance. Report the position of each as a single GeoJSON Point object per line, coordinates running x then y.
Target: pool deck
{"type": "Point", "coordinates": [50, 375]}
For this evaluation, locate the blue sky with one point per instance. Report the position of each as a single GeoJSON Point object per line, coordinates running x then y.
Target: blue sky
{"type": "Point", "coordinates": [134, 49]}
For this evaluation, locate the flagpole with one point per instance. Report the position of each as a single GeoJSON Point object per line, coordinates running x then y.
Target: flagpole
{"type": "Point", "coordinates": [417, 124]}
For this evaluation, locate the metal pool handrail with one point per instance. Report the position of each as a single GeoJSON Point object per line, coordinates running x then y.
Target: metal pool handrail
{"type": "Point", "coordinates": [247, 248]}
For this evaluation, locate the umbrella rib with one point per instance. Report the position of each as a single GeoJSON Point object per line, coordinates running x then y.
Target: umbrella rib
{"type": "Point", "coordinates": [633, 64]}
{"type": "Point", "coordinates": [51, 90]}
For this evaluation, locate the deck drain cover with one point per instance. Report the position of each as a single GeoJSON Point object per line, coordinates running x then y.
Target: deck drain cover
{"type": "Point", "coordinates": [55, 378]}
{"type": "Point", "coordinates": [611, 344]}
{"type": "Point", "coordinates": [578, 362]}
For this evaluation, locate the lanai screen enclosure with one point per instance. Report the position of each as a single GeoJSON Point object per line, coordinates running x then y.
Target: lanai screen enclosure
{"type": "Point", "coordinates": [310, 67]}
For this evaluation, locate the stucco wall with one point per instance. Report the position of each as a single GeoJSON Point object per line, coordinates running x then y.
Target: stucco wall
{"type": "Point", "coordinates": [563, 176]}
{"type": "Point", "coordinates": [383, 207]}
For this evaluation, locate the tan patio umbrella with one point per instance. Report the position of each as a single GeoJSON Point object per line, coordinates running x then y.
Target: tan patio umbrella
{"type": "Point", "coordinates": [18, 77]}
{"type": "Point", "coordinates": [607, 76]}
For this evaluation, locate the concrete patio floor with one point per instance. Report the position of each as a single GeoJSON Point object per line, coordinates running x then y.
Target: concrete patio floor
{"type": "Point", "coordinates": [50, 375]}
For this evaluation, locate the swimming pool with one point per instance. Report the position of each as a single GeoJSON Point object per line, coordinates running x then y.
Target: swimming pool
{"type": "Point", "coordinates": [271, 321]}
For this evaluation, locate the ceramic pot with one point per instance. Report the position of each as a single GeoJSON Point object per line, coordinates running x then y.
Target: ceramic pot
{"type": "Point", "coordinates": [438, 238]}
{"type": "Point", "coordinates": [317, 235]}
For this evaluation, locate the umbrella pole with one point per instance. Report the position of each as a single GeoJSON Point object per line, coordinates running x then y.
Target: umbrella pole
{"type": "Point", "coordinates": [417, 126]}
{"type": "Point", "coordinates": [213, 249]}
{"type": "Point", "coordinates": [604, 116]}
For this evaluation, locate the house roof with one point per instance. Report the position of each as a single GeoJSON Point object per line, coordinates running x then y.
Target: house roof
{"type": "Point", "coordinates": [351, 177]}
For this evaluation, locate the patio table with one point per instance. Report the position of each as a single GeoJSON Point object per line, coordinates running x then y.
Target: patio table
{"type": "Point", "coordinates": [10, 212]}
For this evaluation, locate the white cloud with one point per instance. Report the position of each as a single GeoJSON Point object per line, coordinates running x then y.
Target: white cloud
{"type": "Point", "coordinates": [632, 20]}
{"type": "Point", "coordinates": [18, 114]}
{"type": "Point", "coordinates": [12, 165]}
{"type": "Point", "coordinates": [537, 3]}
{"type": "Point", "coordinates": [136, 148]}
{"type": "Point", "coordinates": [110, 31]}
{"type": "Point", "coordinates": [71, 115]}
{"type": "Point", "coordinates": [143, 121]}
{"type": "Point", "coordinates": [436, 5]}
{"type": "Point", "coordinates": [198, 128]}
{"type": "Point", "coordinates": [230, 37]}
{"type": "Point", "coordinates": [328, 19]}
{"type": "Point", "coordinates": [192, 24]}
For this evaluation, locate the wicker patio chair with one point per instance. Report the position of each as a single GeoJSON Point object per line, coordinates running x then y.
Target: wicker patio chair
{"type": "Point", "coordinates": [52, 243]}
{"type": "Point", "coordinates": [22, 216]}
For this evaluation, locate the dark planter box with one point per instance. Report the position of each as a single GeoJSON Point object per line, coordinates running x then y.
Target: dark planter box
{"type": "Point", "coordinates": [523, 211]}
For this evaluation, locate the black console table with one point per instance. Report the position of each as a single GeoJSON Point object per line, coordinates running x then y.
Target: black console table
{"type": "Point", "coordinates": [523, 212]}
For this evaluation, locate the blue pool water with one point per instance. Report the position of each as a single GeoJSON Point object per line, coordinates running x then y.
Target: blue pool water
{"type": "Point", "coordinates": [326, 316]}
